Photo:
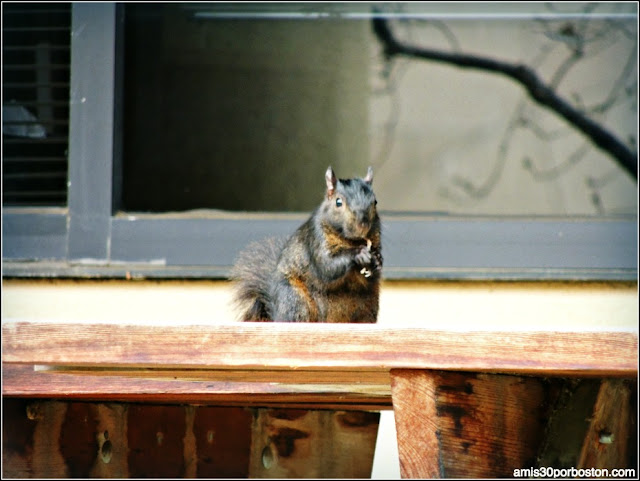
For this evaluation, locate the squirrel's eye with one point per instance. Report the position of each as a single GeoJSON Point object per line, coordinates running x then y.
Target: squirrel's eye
{"type": "Point", "coordinates": [338, 202]}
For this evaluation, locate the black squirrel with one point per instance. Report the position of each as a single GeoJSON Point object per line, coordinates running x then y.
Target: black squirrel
{"type": "Point", "coordinates": [328, 270]}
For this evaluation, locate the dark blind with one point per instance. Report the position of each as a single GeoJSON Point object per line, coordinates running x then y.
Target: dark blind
{"type": "Point", "coordinates": [35, 103]}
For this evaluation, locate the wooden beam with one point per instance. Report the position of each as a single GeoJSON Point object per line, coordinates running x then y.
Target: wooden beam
{"type": "Point", "coordinates": [606, 442]}
{"type": "Point", "coordinates": [50, 438]}
{"type": "Point", "coordinates": [415, 410]}
{"type": "Point", "coordinates": [22, 380]}
{"type": "Point", "coordinates": [319, 347]}
{"type": "Point", "coordinates": [336, 377]}
{"type": "Point", "coordinates": [466, 425]}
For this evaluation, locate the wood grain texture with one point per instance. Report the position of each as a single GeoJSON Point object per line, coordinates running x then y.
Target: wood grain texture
{"type": "Point", "coordinates": [466, 425]}
{"type": "Point", "coordinates": [110, 434]}
{"type": "Point", "coordinates": [414, 406]}
{"type": "Point", "coordinates": [490, 424]}
{"type": "Point", "coordinates": [67, 439]}
{"type": "Point", "coordinates": [298, 443]}
{"type": "Point", "coordinates": [607, 439]}
{"type": "Point", "coordinates": [21, 380]}
{"type": "Point", "coordinates": [222, 439]}
{"type": "Point", "coordinates": [362, 378]}
{"type": "Point", "coordinates": [303, 346]}
{"type": "Point", "coordinates": [48, 459]}
{"type": "Point", "coordinates": [456, 416]}
{"type": "Point", "coordinates": [18, 429]}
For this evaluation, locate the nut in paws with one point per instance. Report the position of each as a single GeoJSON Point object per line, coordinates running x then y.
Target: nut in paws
{"type": "Point", "coordinates": [365, 272]}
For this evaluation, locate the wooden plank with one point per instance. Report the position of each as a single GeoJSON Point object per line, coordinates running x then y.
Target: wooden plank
{"type": "Point", "coordinates": [116, 440]}
{"type": "Point", "coordinates": [297, 443]}
{"type": "Point", "coordinates": [21, 380]}
{"type": "Point", "coordinates": [109, 435]}
{"type": "Point", "coordinates": [222, 441]}
{"type": "Point", "coordinates": [303, 346]}
{"type": "Point", "coordinates": [490, 424]}
{"type": "Point", "coordinates": [361, 378]}
{"type": "Point", "coordinates": [414, 406]}
{"type": "Point", "coordinates": [155, 436]}
{"type": "Point", "coordinates": [48, 460]}
{"type": "Point", "coordinates": [18, 429]}
{"type": "Point", "coordinates": [466, 425]}
{"type": "Point", "coordinates": [606, 443]}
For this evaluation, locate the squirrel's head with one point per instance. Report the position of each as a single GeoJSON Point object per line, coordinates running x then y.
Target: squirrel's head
{"type": "Point", "coordinates": [350, 205]}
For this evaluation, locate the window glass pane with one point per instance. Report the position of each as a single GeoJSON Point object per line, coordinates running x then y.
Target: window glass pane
{"type": "Point", "coordinates": [242, 107]}
{"type": "Point", "coordinates": [240, 114]}
{"type": "Point", "coordinates": [467, 140]}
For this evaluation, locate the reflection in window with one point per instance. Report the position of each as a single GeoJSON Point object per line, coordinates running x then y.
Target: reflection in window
{"type": "Point", "coordinates": [243, 107]}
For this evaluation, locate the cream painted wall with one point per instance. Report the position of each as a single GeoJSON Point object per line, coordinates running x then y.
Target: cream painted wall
{"type": "Point", "coordinates": [437, 305]}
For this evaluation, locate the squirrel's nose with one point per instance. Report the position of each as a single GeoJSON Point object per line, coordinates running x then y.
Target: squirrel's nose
{"type": "Point", "coordinates": [363, 221]}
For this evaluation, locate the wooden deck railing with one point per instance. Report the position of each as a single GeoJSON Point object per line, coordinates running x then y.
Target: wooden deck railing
{"type": "Point", "coordinates": [476, 385]}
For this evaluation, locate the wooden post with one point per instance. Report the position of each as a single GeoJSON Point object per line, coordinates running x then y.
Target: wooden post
{"type": "Point", "coordinates": [606, 442]}
{"type": "Point", "coordinates": [414, 405]}
{"type": "Point", "coordinates": [466, 425]}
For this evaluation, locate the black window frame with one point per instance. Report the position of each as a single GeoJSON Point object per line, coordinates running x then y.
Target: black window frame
{"type": "Point", "coordinates": [91, 237]}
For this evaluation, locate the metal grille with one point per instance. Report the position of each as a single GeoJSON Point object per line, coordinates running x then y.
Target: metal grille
{"type": "Point", "coordinates": [35, 103]}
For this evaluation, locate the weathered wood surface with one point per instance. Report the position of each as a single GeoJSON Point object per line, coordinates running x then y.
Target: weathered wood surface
{"type": "Point", "coordinates": [606, 444]}
{"type": "Point", "coordinates": [290, 443]}
{"type": "Point", "coordinates": [415, 410]}
{"type": "Point", "coordinates": [114, 440]}
{"type": "Point", "coordinates": [311, 347]}
{"type": "Point", "coordinates": [120, 440]}
{"type": "Point", "coordinates": [467, 425]}
{"type": "Point", "coordinates": [371, 392]}
{"type": "Point", "coordinates": [452, 408]}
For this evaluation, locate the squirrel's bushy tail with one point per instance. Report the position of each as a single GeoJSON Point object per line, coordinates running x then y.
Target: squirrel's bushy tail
{"type": "Point", "coordinates": [252, 276]}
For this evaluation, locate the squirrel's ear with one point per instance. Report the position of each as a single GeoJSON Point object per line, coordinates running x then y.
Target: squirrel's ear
{"type": "Point", "coordinates": [369, 178]}
{"type": "Point", "coordinates": [330, 177]}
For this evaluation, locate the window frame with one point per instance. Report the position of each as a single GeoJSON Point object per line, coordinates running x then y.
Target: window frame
{"type": "Point", "coordinates": [92, 238]}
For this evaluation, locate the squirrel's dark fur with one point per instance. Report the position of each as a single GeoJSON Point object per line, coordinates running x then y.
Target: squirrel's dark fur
{"type": "Point", "coordinates": [328, 270]}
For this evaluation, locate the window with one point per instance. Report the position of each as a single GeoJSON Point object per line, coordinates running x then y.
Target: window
{"type": "Point", "coordinates": [241, 114]}
{"type": "Point", "coordinates": [35, 108]}
{"type": "Point", "coordinates": [238, 112]}
{"type": "Point", "coordinates": [197, 128]}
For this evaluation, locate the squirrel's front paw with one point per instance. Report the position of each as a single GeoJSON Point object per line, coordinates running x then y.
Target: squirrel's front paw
{"type": "Point", "coordinates": [363, 257]}
{"type": "Point", "coordinates": [370, 260]}
{"type": "Point", "coordinates": [376, 260]}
